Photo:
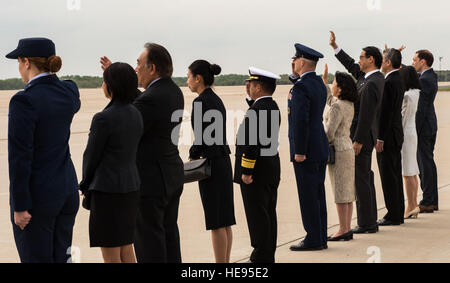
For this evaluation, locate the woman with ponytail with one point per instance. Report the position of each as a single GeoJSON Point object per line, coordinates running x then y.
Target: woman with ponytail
{"type": "Point", "coordinates": [216, 191]}
{"type": "Point", "coordinates": [44, 196]}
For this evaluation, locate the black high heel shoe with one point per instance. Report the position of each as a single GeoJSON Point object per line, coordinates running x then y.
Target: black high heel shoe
{"type": "Point", "coordinates": [345, 237]}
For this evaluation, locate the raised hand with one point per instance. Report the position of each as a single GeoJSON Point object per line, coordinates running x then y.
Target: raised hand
{"type": "Point", "coordinates": [325, 75]}
{"type": "Point", "coordinates": [401, 48]}
{"type": "Point", "coordinates": [333, 40]}
{"type": "Point", "coordinates": [105, 62]}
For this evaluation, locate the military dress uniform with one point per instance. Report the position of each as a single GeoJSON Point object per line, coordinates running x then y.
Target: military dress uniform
{"type": "Point", "coordinates": [260, 196]}
{"type": "Point", "coordinates": [42, 176]}
{"type": "Point", "coordinates": [307, 137]}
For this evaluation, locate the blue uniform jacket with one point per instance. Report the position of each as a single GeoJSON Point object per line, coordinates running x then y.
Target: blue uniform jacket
{"type": "Point", "coordinates": [306, 104]}
{"type": "Point", "coordinates": [41, 171]}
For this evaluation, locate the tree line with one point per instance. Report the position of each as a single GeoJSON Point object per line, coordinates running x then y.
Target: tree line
{"type": "Point", "coordinates": [222, 80]}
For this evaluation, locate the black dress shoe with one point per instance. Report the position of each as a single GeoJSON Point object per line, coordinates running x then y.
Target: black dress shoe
{"type": "Point", "coordinates": [386, 222]}
{"type": "Point", "coordinates": [345, 237]}
{"type": "Point", "coordinates": [366, 229]}
{"type": "Point", "coordinates": [303, 247]}
{"type": "Point", "coordinates": [436, 207]}
{"type": "Point", "coordinates": [426, 208]}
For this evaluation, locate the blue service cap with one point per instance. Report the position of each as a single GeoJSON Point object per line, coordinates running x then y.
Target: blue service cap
{"type": "Point", "coordinates": [303, 51]}
{"type": "Point", "coordinates": [33, 47]}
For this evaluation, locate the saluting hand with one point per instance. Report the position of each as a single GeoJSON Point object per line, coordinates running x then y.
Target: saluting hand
{"type": "Point", "coordinates": [333, 40]}
{"type": "Point", "coordinates": [294, 73]}
{"type": "Point", "coordinates": [401, 48]}
{"type": "Point", "coordinates": [22, 219]}
{"type": "Point", "coordinates": [105, 62]}
{"type": "Point", "coordinates": [325, 75]}
{"type": "Point", "coordinates": [247, 179]}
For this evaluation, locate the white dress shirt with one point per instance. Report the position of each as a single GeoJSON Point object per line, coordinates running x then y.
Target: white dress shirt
{"type": "Point", "coordinates": [39, 76]}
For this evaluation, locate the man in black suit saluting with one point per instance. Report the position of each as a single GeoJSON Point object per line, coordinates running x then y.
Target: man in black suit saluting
{"type": "Point", "coordinates": [364, 129]}
{"type": "Point", "coordinates": [390, 139]}
{"type": "Point", "coordinates": [158, 160]}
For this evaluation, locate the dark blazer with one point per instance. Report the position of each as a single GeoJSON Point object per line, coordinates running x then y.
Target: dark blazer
{"type": "Point", "coordinates": [109, 161]}
{"type": "Point", "coordinates": [158, 160]}
{"type": "Point", "coordinates": [40, 168]}
{"type": "Point", "coordinates": [249, 160]}
{"type": "Point", "coordinates": [305, 111]}
{"type": "Point", "coordinates": [426, 121]}
{"type": "Point", "coordinates": [391, 126]}
{"type": "Point", "coordinates": [208, 100]}
{"type": "Point", "coordinates": [364, 128]}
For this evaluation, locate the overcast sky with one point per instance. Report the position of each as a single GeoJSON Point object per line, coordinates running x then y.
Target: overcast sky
{"type": "Point", "coordinates": [232, 33]}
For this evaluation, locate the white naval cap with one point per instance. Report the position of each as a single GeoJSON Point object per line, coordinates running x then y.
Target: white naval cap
{"type": "Point", "coordinates": [262, 75]}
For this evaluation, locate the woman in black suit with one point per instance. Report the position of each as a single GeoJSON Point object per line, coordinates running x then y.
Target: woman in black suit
{"type": "Point", "coordinates": [110, 176]}
{"type": "Point", "coordinates": [216, 191]}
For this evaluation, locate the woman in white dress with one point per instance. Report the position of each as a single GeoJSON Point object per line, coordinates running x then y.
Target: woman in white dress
{"type": "Point", "coordinates": [410, 167]}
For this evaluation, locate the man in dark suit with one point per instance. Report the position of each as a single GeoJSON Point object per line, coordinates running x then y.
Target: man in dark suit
{"type": "Point", "coordinates": [426, 124]}
{"type": "Point", "coordinates": [390, 139]}
{"type": "Point", "coordinates": [44, 195]}
{"type": "Point", "coordinates": [364, 129]}
{"type": "Point", "coordinates": [158, 160]}
{"type": "Point", "coordinates": [257, 167]}
{"type": "Point", "coordinates": [309, 148]}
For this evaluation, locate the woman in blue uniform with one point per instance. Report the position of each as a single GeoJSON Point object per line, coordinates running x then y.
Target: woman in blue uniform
{"type": "Point", "coordinates": [216, 191]}
{"type": "Point", "coordinates": [44, 196]}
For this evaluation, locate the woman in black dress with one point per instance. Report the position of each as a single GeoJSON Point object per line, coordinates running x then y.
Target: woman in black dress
{"type": "Point", "coordinates": [110, 176]}
{"type": "Point", "coordinates": [217, 191]}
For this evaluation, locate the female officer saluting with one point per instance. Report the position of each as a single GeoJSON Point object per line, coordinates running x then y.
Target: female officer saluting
{"type": "Point", "coordinates": [44, 196]}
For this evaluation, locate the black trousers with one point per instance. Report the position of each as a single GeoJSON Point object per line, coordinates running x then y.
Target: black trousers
{"type": "Point", "coordinates": [157, 237]}
{"type": "Point", "coordinates": [260, 201]}
{"type": "Point", "coordinates": [48, 236]}
{"type": "Point", "coordinates": [390, 167]}
{"type": "Point", "coordinates": [427, 168]}
{"type": "Point", "coordinates": [310, 177]}
{"type": "Point", "coordinates": [366, 201]}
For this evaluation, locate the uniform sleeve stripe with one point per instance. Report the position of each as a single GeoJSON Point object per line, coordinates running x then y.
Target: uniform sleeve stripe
{"type": "Point", "coordinates": [248, 160]}
{"type": "Point", "coordinates": [247, 165]}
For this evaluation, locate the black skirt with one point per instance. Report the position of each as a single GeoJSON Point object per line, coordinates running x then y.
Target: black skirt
{"type": "Point", "coordinates": [217, 194]}
{"type": "Point", "coordinates": [112, 220]}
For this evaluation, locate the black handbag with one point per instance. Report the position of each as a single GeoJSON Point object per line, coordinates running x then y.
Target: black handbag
{"type": "Point", "coordinates": [332, 156]}
{"type": "Point", "coordinates": [86, 203]}
{"type": "Point", "coordinates": [197, 170]}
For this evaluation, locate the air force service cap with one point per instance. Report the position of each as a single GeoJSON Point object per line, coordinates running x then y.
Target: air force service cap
{"type": "Point", "coordinates": [33, 47]}
{"type": "Point", "coordinates": [303, 51]}
{"type": "Point", "coordinates": [262, 75]}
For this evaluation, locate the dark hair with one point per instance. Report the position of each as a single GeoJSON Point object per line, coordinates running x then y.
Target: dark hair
{"type": "Point", "coordinates": [372, 51]}
{"type": "Point", "coordinates": [206, 70]}
{"type": "Point", "coordinates": [267, 87]}
{"type": "Point", "coordinates": [427, 56]}
{"type": "Point", "coordinates": [348, 87]}
{"type": "Point", "coordinates": [121, 81]}
{"type": "Point", "coordinates": [159, 56]}
{"type": "Point", "coordinates": [394, 56]}
{"type": "Point", "coordinates": [410, 77]}
{"type": "Point", "coordinates": [51, 64]}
